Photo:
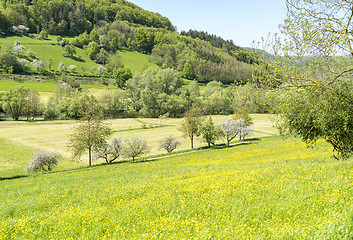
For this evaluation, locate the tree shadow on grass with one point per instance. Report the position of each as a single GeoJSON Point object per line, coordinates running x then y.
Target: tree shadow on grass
{"type": "Point", "coordinates": [77, 59]}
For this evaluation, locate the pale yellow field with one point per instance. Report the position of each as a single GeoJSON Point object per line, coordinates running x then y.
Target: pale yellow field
{"type": "Point", "coordinates": [52, 136]}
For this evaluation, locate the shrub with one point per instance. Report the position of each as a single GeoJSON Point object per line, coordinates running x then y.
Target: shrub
{"type": "Point", "coordinates": [42, 161]}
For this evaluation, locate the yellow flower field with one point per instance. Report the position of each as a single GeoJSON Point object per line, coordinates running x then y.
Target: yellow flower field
{"type": "Point", "coordinates": [272, 189]}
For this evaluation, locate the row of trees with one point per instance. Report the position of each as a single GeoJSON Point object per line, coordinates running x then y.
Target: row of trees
{"type": "Point", "coordinates": [145, 96]}
{"type": "Point", "coordinates": [194, 125]}
{"type": "Point", "coordinates": [91, 135]}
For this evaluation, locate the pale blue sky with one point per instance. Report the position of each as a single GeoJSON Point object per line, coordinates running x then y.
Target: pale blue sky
{"type": "Point", "coordinates": [240, 20]}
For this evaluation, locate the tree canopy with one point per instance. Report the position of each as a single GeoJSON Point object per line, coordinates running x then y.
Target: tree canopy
{"type": "Point", "coordinates": [314, 65]}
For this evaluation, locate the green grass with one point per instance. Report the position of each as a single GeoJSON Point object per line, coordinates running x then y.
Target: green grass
{"type": "Point", "coordinates": [52, 136]}
{"type": "Point", "coordinates": [137, 62]}
{"type": "Point", "coordinates": [273, 189]}
{"type": "Point", "coordinates": [46, 48]}
{"type": "Point", "coordinates": [47, 86]}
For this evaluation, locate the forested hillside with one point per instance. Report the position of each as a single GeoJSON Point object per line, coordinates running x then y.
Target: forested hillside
{"type": "Point", "coordinates": [105, 26]}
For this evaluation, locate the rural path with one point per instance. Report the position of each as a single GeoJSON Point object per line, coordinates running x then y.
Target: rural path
{"type": "Point", "coordinates": [167, 156]}
{"type": "Point", "coordinates": [198, 150]}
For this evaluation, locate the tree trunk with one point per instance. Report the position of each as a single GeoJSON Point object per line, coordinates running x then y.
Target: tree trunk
{"type": "Point", "coordinates": [89, 156]}
{"type": "Point", "coordinates": [192, 142]}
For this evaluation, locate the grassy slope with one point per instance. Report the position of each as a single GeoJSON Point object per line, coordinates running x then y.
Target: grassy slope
{"type": "Point", "coordinates": [52, 136]}
{"type": "Point", "coordinates": [136, 61]}
{"type": "Point", "coordinates": [273, 189]}
{"type": "Point", "coordinates": [46, 48]}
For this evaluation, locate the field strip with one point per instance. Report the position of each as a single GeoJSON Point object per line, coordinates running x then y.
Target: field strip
{"type": "Point", "coordinates": [172, 155]}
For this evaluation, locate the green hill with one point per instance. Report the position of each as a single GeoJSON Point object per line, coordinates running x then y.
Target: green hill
{"type": "Point", "coordinates": [101, 29]}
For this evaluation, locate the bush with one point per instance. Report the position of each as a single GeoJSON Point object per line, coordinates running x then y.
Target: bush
{"type": "Point", "coordinates": [42, 161]}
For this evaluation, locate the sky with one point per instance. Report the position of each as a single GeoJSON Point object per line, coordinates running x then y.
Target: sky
{"type": "Point", "coordinates": [242, 21]}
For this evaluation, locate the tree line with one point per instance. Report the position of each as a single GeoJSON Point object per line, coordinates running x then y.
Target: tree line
{"type": "Point", "coordinates": [91, 135]}
{"type": "Point", "coordinates": [72, 17]}
{"type": "Point", "coordinates": [154, 93]}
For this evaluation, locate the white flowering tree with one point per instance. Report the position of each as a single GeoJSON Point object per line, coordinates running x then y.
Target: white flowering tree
{"type": "Point", "coordinates": [72, 67]}
{"type": "Point", "coordinates": [244, 129]}
{"type": "Point", "coordinates": [109, 152]}
{"type": "Point", "coordinates": [232, 128]}
{"type": "Point", "coordinates": [62, 66]}
{"type": "Point", "coordinates": [38, 64]}
{"type": "Point", "coordinates": [42, 161]}
{"type": "Point", "coordinates": [101, 69]}
{"type": "Point", "coordinates": [24, 62]}
{"type": "Point", "coordinates": [135, 147]}
{"type": "Point", "coordinates": [30, 53]}
{"type": "Point", "coordinates": [18, 49]}
{"type": "Point", "coordinates": [170, 143]}
{"type": "Point", "coordinates": [229, 129]}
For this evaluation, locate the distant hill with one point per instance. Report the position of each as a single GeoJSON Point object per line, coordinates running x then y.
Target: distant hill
{"type": "Point", "coordinates": [103, 29]}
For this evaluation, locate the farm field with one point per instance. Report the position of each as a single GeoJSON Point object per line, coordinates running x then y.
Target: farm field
{"type": "Point", "coordinates": [272, 189]}
{"type": "Point", "coordinates": [52, 136]}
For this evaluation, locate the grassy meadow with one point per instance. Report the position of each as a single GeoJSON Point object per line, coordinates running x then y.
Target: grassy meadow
{"type": "Point", "coordinates": [48, 48]}
{"type": "Point", "coordinates": [271, 189]}
{"type": "Point", "coordinates": [52, 136]}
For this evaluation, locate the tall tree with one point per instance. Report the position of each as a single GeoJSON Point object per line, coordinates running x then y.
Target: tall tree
{"type": "Point", "coordinates": [91, 133]}
{"type": "Point", "coordinates": [191, 123]}
{"type": "Point", "coordinates": [210, 132]}
{"type": "Point", "coordinates": [318, 35]}
{"type": "Point", "coordinates": [15, 101]}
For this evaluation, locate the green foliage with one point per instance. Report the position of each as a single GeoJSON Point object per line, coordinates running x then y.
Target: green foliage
{"type": "Point", "coordinates": [92, 50]}
{"type": "Point", "coordinates": [144, 40]}
{"type": "Point", "coordinates": [9, 64]}
{"type": "Point", "coordinates": [43, 34]}
{"type": "Point", "coordinates": [242, 112]}
{"type": "Point", "coordinates": [81, 40]}
{"type": "Point", "coordinates": [191, 123]}
{"type": "Point", "coordinates": [70, 50]}
{"type": "Point", "coordinates": [210, 132]}
{"type": "Point", "coordinates": [121, 75]}
{"type": "Point", "coordinates": [15, 101]}
{"type": "Point", "coordinates": [319, 79]}
{"type": "Point", "coordinates": [188, 71]}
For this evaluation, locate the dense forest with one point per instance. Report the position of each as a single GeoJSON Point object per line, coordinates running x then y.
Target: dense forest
{"type": "Point", "coordinates": [105, 26]}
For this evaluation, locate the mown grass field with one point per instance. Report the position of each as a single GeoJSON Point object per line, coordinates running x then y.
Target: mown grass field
{"type": "Point", "coordinates": [52, 136]}
{"type": "Point", "coordinates": [272, 189]}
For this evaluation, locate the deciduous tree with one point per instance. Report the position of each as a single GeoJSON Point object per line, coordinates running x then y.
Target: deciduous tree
{"type": "Point", "coordinates": [210, 132]}
{"type": "Point", "coordinates": [318, 35]}
{"type": "Point", "coordinates": [191, 123]}
{"type": "Point", "coordinates": [135, 147]}
{"type": "Point", "coordinates": [170, 143]}
{"type": "Point", "coordinates": [42, 161]}
{"type": "Point", "coordinates": [91, 133]}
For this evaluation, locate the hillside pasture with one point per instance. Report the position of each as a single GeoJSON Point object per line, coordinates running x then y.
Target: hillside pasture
{"type": "Point", "coordinates": [272, 189]}
{"type": "Point", "coordinates": [52, 136]}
